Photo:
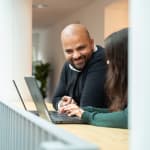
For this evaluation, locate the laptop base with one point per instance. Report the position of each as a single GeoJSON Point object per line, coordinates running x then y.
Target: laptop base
{"type": "Point", "coordinates": [58, 118]}
{"type": "Point", "coordinates": [64, 119]}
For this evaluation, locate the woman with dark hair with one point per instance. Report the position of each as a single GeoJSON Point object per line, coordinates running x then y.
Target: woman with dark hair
{"type": "Point", "coordinates": [116, 116]}
{"type": "Point", "coordinates": [116, 46]}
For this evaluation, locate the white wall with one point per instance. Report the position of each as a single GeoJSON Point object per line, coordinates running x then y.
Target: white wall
{"type": "Point", "coordinates": [15, 45]}
{"type": "Point", "coordinates": [42, 43]}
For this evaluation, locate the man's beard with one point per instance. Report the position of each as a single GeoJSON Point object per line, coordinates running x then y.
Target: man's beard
{"type": "Point", "coordinates": [79, 63]}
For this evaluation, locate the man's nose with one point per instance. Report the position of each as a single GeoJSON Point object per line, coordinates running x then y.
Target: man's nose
{"type": "Point", "coordinates": [76, 55]}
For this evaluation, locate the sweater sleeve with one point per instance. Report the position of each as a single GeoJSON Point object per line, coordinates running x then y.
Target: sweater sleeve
{"type": "Point", "coordinates": [111, 119]}
{"type": "Point", "coordinates": [60, 90]}
{"type": "Point", "coordinates": [95, 109]}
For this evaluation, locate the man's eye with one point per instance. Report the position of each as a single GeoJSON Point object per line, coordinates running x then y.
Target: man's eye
{"type": "Point", "coordinates": [68, 51]}
{"type": "Point", "coordinates": [81, 47]}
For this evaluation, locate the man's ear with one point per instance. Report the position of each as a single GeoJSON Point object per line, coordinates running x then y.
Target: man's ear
{"type": "Point", "coordinates": [92, 43]}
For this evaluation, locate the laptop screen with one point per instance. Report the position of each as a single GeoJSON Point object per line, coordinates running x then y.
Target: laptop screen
{"type": "Point", "coordinates": [19, 95]}
{"type": "Point", "coordinates": [37, 97]}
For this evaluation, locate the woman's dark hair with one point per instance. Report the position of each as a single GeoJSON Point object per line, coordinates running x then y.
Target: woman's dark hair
{"type": "Point", "coordinates": [116, 47]}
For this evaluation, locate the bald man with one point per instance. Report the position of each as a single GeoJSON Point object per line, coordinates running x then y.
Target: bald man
{"type": "Point", "coordinates": [83, 75]}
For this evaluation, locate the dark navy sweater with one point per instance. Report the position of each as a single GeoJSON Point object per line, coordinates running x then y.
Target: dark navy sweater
{"type": "Point", "coordinates": [85, 87]}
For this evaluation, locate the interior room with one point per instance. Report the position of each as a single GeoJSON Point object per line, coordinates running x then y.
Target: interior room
{"type": "Point", "coordinates": [100, 17]}
{"type": "Point", "coordinates": [30, 40]}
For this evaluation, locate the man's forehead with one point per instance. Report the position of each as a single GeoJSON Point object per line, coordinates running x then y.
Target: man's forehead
{"type": "Point", "coordinates": [74, 34]}
{"type": "Point", "coordinates": [75, 46]}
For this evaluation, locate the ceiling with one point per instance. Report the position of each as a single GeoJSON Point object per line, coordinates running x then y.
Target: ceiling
{"type": "Point", "coordinates": [56, 10]}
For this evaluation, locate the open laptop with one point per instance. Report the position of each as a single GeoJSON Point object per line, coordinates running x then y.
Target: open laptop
{"type": "Point", "coordinates": [41, 107]}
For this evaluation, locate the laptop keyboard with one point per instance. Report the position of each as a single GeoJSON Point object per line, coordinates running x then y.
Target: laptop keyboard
{"type": "Point", "coordinates": [63, 118]}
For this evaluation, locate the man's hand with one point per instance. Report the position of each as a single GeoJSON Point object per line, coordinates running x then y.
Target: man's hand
{"type": "Point", "coordinates": [65, 100]}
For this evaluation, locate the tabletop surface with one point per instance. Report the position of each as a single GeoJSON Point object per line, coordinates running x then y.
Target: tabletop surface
{"type": "Point", "coordinates": [105, 138]}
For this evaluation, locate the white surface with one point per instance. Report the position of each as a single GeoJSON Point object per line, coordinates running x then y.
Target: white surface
{"type": "Point", "coordinates": [139, 75]}
{"type": "Point", "coordinates": [15, 46]}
